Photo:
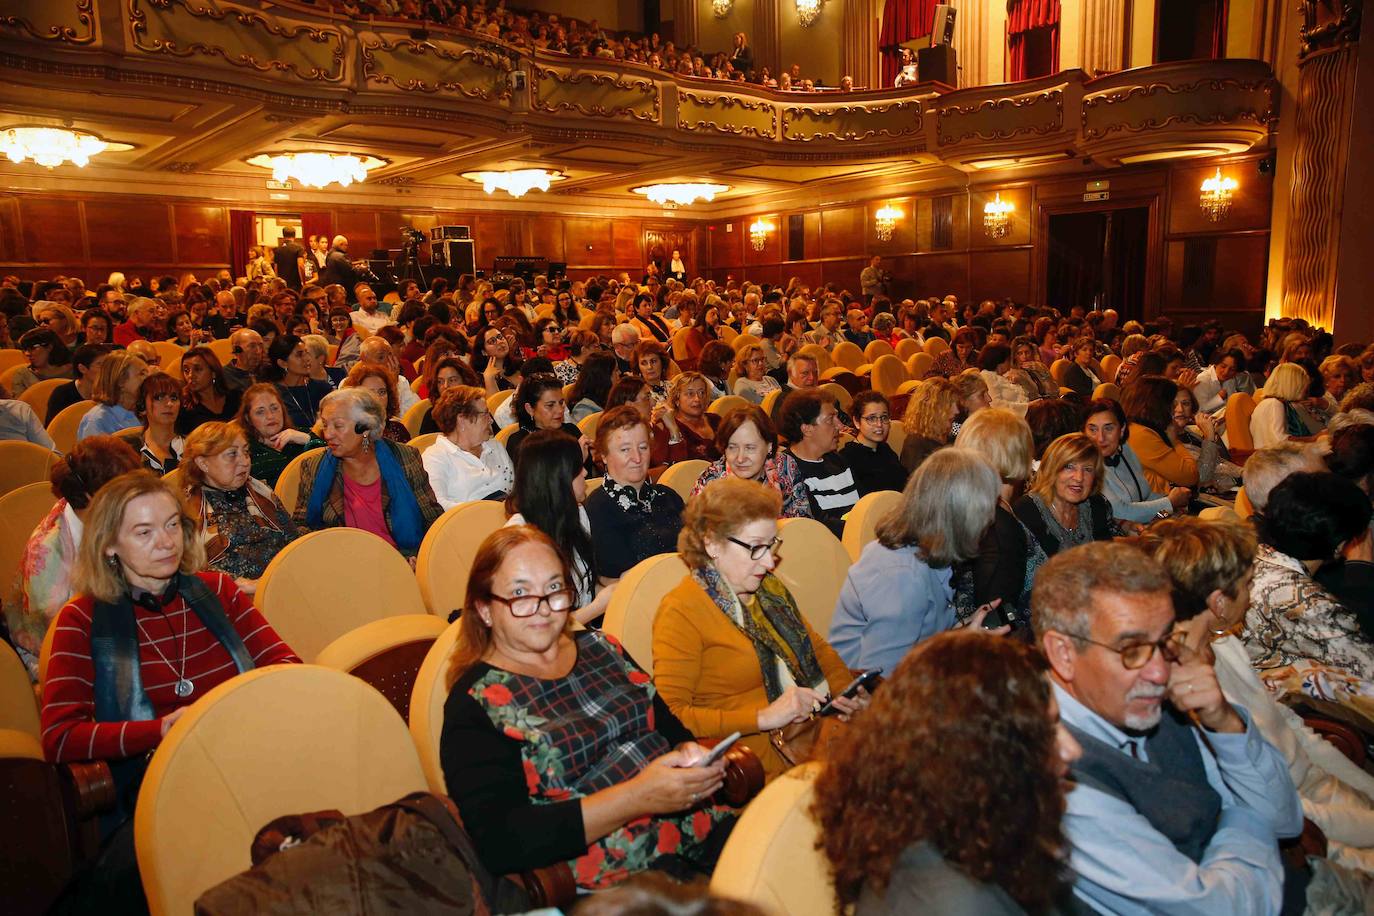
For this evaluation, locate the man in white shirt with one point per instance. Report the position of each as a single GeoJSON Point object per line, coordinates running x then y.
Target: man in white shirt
{"type": "Point", "coordinates": [1219, 381]}
{"type": "Point", "coordinates": [368, 314]}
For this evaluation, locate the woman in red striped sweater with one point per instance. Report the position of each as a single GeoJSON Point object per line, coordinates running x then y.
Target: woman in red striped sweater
{"type": "Point", "coordinates": [147, 634]}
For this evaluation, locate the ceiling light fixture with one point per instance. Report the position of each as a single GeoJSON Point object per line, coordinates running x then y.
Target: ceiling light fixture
{"type": "Point", "coordinates": [681, 194]}
{"type": "Point", "coordinates": [1216, 196]}
{"type": "Point", "coordinates": [997, 216]}
{"type": "Point", "coordinates": [515, 182]}
{"type": "Point", "coordinates": [885, 221]}
{"type": "Point", "coordinates": [808, 11]}
{"type": "Point", "coordinates": [52, 146]}
{"type": "Point", "coordinates": [721, 8]}
{"type": "Point", "coordinates": [758, 233]}
{"type": "Point", "coordinates": [317, 170]}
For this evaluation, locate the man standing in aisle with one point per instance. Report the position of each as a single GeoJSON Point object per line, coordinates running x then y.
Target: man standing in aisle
{"type": "Point", "coordinates": [289, 259]}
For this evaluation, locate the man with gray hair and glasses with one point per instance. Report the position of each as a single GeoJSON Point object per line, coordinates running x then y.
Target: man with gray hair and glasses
{"type": "Point", "coordinates": [1178, 802]}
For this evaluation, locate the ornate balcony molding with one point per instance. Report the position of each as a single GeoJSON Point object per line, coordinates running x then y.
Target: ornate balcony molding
{"type": "Point", "coordinates": [69, 21]}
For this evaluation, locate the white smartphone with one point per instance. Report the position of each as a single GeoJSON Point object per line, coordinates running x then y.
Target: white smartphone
{"type": "Point", "coordinates": [718, 751]}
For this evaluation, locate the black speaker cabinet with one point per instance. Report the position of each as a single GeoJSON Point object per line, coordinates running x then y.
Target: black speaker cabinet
{"type": "Point", "coordinates": [942, 25]}
{"type": "Point", "coordinates": [937, 63]}
{"type": "Point", "coordinates": [456, 254]}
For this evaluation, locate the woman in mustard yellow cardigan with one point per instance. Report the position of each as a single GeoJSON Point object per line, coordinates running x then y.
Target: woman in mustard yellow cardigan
{"type": "Point", "coordinates": [731, 650]}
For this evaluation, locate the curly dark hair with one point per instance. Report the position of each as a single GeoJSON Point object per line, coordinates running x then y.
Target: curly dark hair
{"type": "Point", "coordinates": [978, 700]}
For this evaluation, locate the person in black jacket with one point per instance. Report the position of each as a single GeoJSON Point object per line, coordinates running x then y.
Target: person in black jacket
{"type": "Point", "coordinates": [1067, 507]}
{"type": "Point", "coordinates": [872, 461]}
{"type": "Point", "coordinates": [337, 267]}
{"type": "Point", "coordinates": [289, 258]}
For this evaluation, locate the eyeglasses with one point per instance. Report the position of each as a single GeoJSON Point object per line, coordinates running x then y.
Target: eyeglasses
{"type": "Point", "coordinates": [528, 605]}
{"type": "Point", "coordinates": [756, 551]}
{"type": "Point", "coordinates": [877, 418]}
{"type": "Point", "coordinates": [1137, 655]}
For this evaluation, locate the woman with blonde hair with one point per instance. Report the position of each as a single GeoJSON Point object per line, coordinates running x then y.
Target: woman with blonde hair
{"type": "Point", "coordinates": [929, 420]}
{"type": "Point", "coordinates": [751, 367]}
{"type": "Point", "coordinates": [115, 391]}
{"type": "Point", "coordinates": [1279, 415]}
{"type": "Point", "coordinates": [241, 523]}
{"type": "Point", "coordinates": [60, 319]}
{"type": "Point", "coordinates": [684, 429]}
{"type": "Point", "coordinates": [1065, 507]}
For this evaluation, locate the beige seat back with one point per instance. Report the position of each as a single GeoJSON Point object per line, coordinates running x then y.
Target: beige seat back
{"type": "Point", "coordinates": [23, 463]}
{"type": "Point", "coordinates": [447, 552]}
{"type": "Point", "coordinates": [385, 653]}
{"type": "Point", "coordinates": [863, 519]}
{"type": "Point", "coordinates": [1239, 409]}
{"type": "Point", "coordinates": [285, 739]}
{"type": "Point", "coordinates": [423, 441]}
{"type": "Point", "coordinates": [288, 486]}
{"type": "Point", "coordinates": [681, 477]}
{"type": "Point", "coordinates": [8, 376]}
{"type": "Point", "coordinates": [1108, 391]}
{"type": "Point", "coordinates": [589, 423]}
{"type": "Point", "coordinates": [494, 401]}
{"type": "Point", "coordinates": [896, 436]}
{"type": "Point", "coordinates": [18, 702]}
{"type": "Point", "coordinates": [223, 350]}
{"type": "Point", "coordinates": [63, 427]}
{"type": "Point", "coordinates": [877, 349]}
{"type": "Point", "coordinates": [743, 340]}
{"type": "Point", "coordinates": [329, 582]}
{"type": "Point", "coordinates": [813, 564]}
{"type": "Point", "coordinates": [935, 346]}
{"type": "Point", "coordinates": [427, 701]}
{"type": "Point", "coordinates": [918, 364]}
{"type": "Point", "coordinates": [415, 416]}
{"type": "Point", "coordinates": [727, 404]}
{"type": "Point", "coordinates": [771, 859]}
{"type": "Point", "coordinates": [847, 355]}
{"type": "Point", "coordinates": [38, 395]}
{"type": "Point", "coordinates": [634, 604]}
{"type": "Point", "coordinates": [840, 394]}
{"type": "Point", "coordinates": [820, 354]}
{"type": "Point", "coordinates": [1110, 364]}
{"type": "Point", "coordinates": [168, 351]}
{"type": "Point", "coordinates": [11, 357]}
{"type": "Point", "coordinates": [888, 374]}
{"type": "Point", "coordinates": [504, 434]}
{"type": "Point", "coordinates": [727, 333]}
{"type": "Point", "coordinates": [1058, 368]}
{"type": "Point", "coordinates": [908, 347]}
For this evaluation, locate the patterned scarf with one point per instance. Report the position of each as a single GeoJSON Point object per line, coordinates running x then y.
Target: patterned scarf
{"type": "Point", "coordinates": [772, 623]}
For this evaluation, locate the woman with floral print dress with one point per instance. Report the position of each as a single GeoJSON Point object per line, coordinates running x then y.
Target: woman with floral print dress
{"type": "Point", "coordinates": [555, 746]}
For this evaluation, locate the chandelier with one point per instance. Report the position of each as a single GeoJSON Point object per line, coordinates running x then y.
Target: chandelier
{"type": "Point", "coordinates": [885, 220]}
{"type": "Point", "coordinates": [721, 8]}
{"type": "Point", "coordinates": [682, 194]}
{"type": "Point", "coordinates": [316, 170]}
{"type": "Point", "coordinates": [997, 216]}
{"type": "Point", "coordinates": [1216, 196]}
{"type": "Point", "coordinates": [515, 182]}
{"type": "Point", "coordinates": [758, 233]}
{"type": "Point", "coordinates": [808, 11]}
{"type": "Point", "coordinates": [52, 146]}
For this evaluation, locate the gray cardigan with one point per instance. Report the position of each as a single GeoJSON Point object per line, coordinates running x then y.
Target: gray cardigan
{"type": "Point", "coordinates": [923, 882]}
{"type": "Point", "coordinates": [1129, 492]}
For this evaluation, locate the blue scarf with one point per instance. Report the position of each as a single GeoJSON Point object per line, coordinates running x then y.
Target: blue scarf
{"type": "Point", "coordinates": [403, 516]}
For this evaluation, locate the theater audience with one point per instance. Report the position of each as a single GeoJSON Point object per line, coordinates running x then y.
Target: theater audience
{"type": "Point", "coordinates": [206, 394]}
{"type": "Point", "coordinates": [47, 356]}
{"type": "Point", "coordinates": [872, 461]}
{"type": "Point", "coordinates": [363, 480]}
{"type": "Point", "coordinates": [608, 782]}
{"type": "Point", "coordinates": [731, 650]}
{"type": "Point", "coordinates": [752, 382]}
{"type": "Point", "coordinates": [900, 591]}
{"type": "Point", "coordinates": [1211, 566]}
{"type": "Point", "coordinates": [1150, 402]}
{"type": "Point", "coordinates": [241, 523]}
{"type": "Point", "coordinates": [1065, 507]}
{"type": "Point", "coordinates": [1081, 374]}
{"type": "Point", "coordinates": [157, 443]}
{"type": "Point", "coordinates": [683, 429]}
{"type": "Point", "coordinates": [748, 447]}
{"type": "Point", "coordinates": [929, 420]}
{"type": "Point", "coordinates": [85, 358]}
{"type": "Point", "coordinates": [1280, 415]}
{"type": "Point", "coordinates": [272, 442]}
{"type": "Point", "coordinates": [1216, 383]}
{"type": "Point", "coordinates": [1029, 372]}
{"type": "Point", "coordinates": [539, 405]}
{"type": "Point", "coordinates": [45, 567]}
{"type": "Point", "coordinates": [651, 364]}
{"type": "Point", "coordinates": [115, 393]}
{"type": "Point", "coordinates": [632, 518]}
{"type": "Point", "coordinates": [379, 382]}
{"type": "Point", "coordinates": [811, 428]}
{"type": "Point", "coordinates": [906, 832]}
{"type": "Point", "coordinates": [1176, 806]}
{"type": "Point", "coordinates": [1123, 478]}
{"type": "Point", "coordinates": [465, 463]}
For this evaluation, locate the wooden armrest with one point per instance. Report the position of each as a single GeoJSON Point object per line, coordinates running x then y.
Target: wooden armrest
{"type": "Point", "coordinates": [552, 886]}
{"type": "Point", "coordinates": [1345, 737]}
{"type": "Point", "coordinates": [89, 787]}
{"type": "Point", "coordinates": [743, 774]}
{"type": "Point", "coordinates": [1311, 842]}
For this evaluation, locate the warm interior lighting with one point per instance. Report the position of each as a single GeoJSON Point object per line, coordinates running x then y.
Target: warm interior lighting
{"type": "Point", "coordinates": [758, 233]}
{"type": "Point", "coordinates": [808, 11]}
{"type": "Point", "coordinates": [885, 221]}
{"type": "Point", "coordinates": [515, 182]}
{"type": "Point", "coordinates": [1216, 196]}
{"type": "Point", "coordinates": [997, 216]}
{"type": "Point", "coordinates": [52, 146]}
{"type": "Point", "coordinates": [682, 194]}
{"type": "Point", "coordinates": [721, 8]}
{"type": "Point", "coordinates": [316, 170]}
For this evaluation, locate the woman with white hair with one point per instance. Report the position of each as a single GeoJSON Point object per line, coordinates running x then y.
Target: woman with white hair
{"type": "Point", "coordinates": [1279, 415]}
{"type": "Point", "coordinates": [900, 592]}
{"type": "Point", "coordinates": [363, 480]}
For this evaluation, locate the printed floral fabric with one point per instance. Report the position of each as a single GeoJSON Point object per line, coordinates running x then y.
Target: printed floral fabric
{"type": "Point", "coordinates": [628, 499]}
{"type": "Point", "coordinates": [780, 472]}
{"type": "Point", "coordinates": [44, 584]}
{"type": "Point", "coordinates": [586, 732]}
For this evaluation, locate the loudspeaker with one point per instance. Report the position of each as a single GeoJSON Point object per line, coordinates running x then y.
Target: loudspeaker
{"type": "Point", "coordinates": [456, 254]}
{"type": "Point", "coordinates": [439, 233]}
{"type": "Point", "coordinates": [937, 63]}
{"type": "Point", "coordinates": [942, 27]}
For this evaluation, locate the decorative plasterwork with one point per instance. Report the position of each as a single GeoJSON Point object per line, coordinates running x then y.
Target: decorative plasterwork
{"type": "Point", "coordinates": [1001, 119]}
{"type": "Point", "coordinates": [83, 32]}
{"type": "Point", "coordinates": [477, 71]}
{"type": "Point", "coordinates": [759, 116]}
{"type": "Point", "coordinates": [805, 123]}
{"type": "Point", "coordinates": [1149, 107]}
{"type": "Point", "coordinates": [150, 26]}
{"type": "Point", "coordinates": [597, 95]}
{"type": "Point", "coordinates": [1328, 23]}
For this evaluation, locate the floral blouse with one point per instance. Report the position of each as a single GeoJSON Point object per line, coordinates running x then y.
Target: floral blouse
{"type": "Point", "coordinates": [45, 572]}
{"type": "Point", "coordinates": [780, 472]}
{"type": "Point", "coordinates": [242, 529]}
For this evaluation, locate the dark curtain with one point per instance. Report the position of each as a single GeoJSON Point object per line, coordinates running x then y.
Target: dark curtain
{"type": "Point", "coordinates": [1129, 246]}
{"type": "Point", "coordinates": [1074, 273]}
{"type": "Point", "coordinates": [903, 20]}
{"type": "Point", "coordinates": [316, 224]}
{"type": "Point", "coordinates": [1022, 17]}
{"type": "Point", "coordinates": [242, 236]}
{"type": "Point", "coordinates": [1219, 29]}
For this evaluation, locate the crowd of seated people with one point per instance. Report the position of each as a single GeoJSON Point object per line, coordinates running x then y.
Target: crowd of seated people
{"type": "Point", "coordinates": [1047, 492]}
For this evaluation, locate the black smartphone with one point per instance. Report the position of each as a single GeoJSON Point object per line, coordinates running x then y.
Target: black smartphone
{"type": "Point", "coordinates": [867, 680]}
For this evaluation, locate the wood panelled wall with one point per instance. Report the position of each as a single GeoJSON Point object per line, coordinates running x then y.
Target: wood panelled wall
{"type": "Point", "coordinates": [89, 236]}
{"type": "Point", "coordinates": [1225, 261]}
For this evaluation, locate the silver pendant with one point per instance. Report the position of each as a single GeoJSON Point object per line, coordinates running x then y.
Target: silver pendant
{"type": "Point", "coordinates": [184, 688]}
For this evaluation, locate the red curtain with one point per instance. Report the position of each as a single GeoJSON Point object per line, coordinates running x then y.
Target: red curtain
{"type": "Point", "coordinates": [316, 224]}
{"type": "Point", "coordinates": [1219, 30]}
{"type": "Point", "coordinates": [1022, 17]}
{"type": "Point", "coordinates": [242, 236]}
{"type": "Point", "coordinates": [903, 20]}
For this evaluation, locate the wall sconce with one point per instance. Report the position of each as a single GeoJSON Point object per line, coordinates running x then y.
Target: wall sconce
{"type": "Point", "coordinates": [808, 11]}
{"type": "Point", "coordinates": [721, 8]}
{"type": "Point", "coordinates": [1216, 196]}
{"type": "Point", "coordinates": [758, 233]}
{"type": "Point", "coordinates": [885, 220]}
{"type": "Point", "coordinates": [997, 216]}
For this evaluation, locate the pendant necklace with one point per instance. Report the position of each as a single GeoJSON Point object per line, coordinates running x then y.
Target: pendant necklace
{"type": "Point", "coordinates": [183, 687]}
